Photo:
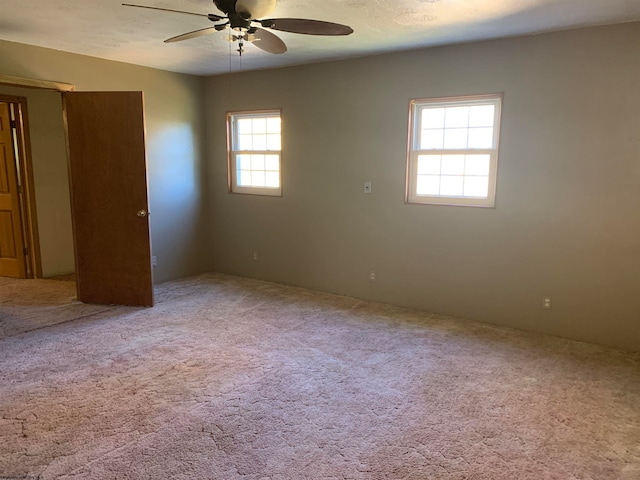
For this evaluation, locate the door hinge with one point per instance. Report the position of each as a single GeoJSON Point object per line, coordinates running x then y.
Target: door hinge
{"type": "Point", "coordinates": [13, 124]}
{"type": "Point", "coordinates": [19, 188]}
{"type": "Point", "coordinates": [25, 251]}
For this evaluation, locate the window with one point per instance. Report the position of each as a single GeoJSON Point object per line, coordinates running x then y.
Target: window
{"type": "Point", "coordinates": [254, 146]}
{"type": "Point", "coordinates": [453, 150]}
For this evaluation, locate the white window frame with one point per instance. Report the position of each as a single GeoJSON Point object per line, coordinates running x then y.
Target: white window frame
{"type": "Point", "coordinates": [233, 152]}
{"type": "Point", "coordinates": [416, 107]}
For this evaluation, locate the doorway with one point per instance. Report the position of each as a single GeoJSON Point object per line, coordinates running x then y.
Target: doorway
{"type": "Point", "coordinates": [19, 244]}
{"type": "Point", "coordinates": [44, 177]}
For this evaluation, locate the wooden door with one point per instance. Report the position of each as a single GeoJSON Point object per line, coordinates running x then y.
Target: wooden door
{"type": "Point", "coordinates": [109, 201]}
{"type": "Point", "coordinates": [12, 254]}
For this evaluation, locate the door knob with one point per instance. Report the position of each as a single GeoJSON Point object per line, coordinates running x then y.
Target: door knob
{"type": "Point", "coordinates": [142, 213]}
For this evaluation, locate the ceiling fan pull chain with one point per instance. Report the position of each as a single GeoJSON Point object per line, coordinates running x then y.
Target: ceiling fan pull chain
{"type": "Point", "coordinates": [241, 44]}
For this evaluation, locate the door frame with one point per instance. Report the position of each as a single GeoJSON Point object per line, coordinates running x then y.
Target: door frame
{"type": "Point", "coordinates": [27, 198]}
{"type": "Point", "coordinates": [34, 83]}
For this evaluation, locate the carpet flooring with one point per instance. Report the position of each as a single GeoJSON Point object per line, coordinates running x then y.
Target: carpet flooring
{"type": "Point", "coordinates": [29, 305]}
{"type": "Point", "coordinates": [229, 378]}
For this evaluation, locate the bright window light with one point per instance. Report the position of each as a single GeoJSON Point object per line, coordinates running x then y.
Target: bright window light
{"type": "Point", "coordinates": [453, 150]}
{"type": "Point", "coordinates": [254, 146]}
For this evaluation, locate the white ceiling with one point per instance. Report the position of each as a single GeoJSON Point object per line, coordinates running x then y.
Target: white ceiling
{"type": "Point", "coordinates": [106, 29]}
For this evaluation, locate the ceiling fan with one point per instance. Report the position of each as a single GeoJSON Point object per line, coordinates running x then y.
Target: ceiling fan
{"type": "Point", "coordinates": [244, 17]}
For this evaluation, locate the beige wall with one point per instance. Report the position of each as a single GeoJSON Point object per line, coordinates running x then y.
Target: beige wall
{"type": "Point", "coordinates": [175, 128]}
{"type": "Point", "coordinates": [49, 161]}
{"type": "Point", "coordinates": [566, 222]}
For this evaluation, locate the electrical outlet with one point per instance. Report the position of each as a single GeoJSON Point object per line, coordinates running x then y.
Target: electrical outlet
{"type": "Point", "coordinates": [367, 186]}
{"type": "Point", "coordinates": [255, 255]}
{"type": "Point", "coordinates": [154, 261]}
{"type": "Point", "coordinates": [372, 276]}
{"type": "Point", "coordinates": [546, 303]}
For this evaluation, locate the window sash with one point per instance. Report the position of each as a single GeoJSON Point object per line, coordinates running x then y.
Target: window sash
{"type": "Point", "coordinates": [414, 197]}
{"type": "Point", "coordinates": [254, 190]}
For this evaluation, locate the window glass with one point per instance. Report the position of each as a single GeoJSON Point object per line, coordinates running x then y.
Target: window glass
{"type": "Point", "coordinates": [453, 151]}
{"type": "Point", "coordinates": [254, 152]}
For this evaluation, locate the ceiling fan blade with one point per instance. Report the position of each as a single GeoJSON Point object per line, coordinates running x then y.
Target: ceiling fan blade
{"type": "Point", "coordinates": [194, 34]}
{"type": "Point", "coordinates": [307, 27]}
{"type": "Point", "coordinates": [268, 42]}
{"type": "Point", "coordinates": [211, 16]}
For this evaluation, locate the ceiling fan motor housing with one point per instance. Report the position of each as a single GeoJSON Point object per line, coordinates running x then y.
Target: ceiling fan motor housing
{"type": "Point", "coordinates": [246, 8]}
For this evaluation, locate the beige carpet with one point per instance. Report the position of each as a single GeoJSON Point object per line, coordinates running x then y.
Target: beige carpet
{"type": "Point", "coordinates": [33, 304]}
{"type": "Point", "coordinates": [228, 378]}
